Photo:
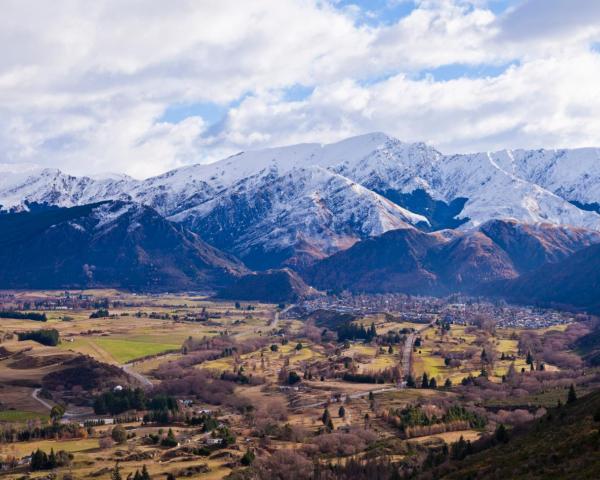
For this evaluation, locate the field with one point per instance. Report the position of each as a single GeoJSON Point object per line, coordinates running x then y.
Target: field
{"type": "Point", "coordinates": [429, 357]}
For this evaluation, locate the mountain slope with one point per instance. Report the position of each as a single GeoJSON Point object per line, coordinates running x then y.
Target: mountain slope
{"type": "Point", "coordinates": [561, 445]}
{"type": "Point", "coordinates": [412, 261]}
{"type": "Point", "coordinates": [273, 286]}
{"type": "Point", "coordinates": [572, 282]}
{"type": "Point", "coordinates": [292, 205]}
{"type": "Point", "coordinates": [109, 244]}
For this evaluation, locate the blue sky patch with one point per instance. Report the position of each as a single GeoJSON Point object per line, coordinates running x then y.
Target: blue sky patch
{"type": "Point", "coordinates": [455, 70]}
{"type": "Point", "coordinates": [210, 112]}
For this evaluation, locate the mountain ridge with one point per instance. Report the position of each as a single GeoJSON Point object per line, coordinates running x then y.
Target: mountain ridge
{"type": "Point", "coordinates": [293, 205]}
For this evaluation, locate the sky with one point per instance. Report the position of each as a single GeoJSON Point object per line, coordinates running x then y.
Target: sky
{"type": "Point", "coordinates": [145, 86]}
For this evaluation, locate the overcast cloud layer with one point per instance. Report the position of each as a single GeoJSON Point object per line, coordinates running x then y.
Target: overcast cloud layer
{"type": "Point", "coordinates": [145, 86]}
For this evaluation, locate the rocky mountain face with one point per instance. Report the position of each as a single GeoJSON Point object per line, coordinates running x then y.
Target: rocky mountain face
{"type": "Point", "coordinates": [107, 244]}
{"type": "Point", "coordinates": [298, 204]}
{"type": "Point", "coordinates": [412, 261]}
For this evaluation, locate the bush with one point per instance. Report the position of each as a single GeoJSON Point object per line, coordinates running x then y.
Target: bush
{"type": "Point", "coordinates": [118, 434]}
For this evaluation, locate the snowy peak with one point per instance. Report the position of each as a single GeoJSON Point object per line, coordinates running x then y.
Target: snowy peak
{"type": "Point", "coordinates": [292, 204]}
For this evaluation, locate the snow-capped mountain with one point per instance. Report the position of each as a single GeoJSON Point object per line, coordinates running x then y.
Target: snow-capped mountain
{"type": "Point", "coordinates": [297, 203]}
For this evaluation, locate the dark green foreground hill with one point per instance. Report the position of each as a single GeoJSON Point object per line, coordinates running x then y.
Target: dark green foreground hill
{"type": "Point", "coordinates": [564, 444]}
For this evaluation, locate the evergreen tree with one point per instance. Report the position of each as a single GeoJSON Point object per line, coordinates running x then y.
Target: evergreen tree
{"type": "Point", "coordinates": [145, 474]}
{"type": "Point", "coordinates": [329, 425]}
{"type": "Point", "coordinates": [432, 383]}
{"type": "Point", "coordinates": [342, 412]}
{"type": "Point", "coordinates": [572, 397]}
{"type": "Point", "coordinates": [410, 382]}
{"type": "Point", "coordinates": [390, 350]}
{"type": "Point", "coordinates": [116, 473]}
{"type": "Point", "coordinates": [501, 434]}
{"type": "Point", "coordinates": [248, 458]}
{"type": "Point", "coordinates": [326, 416]}
{"type": "Point", "coordinates": [425, 381]}
{"type": "Point", "coordinates": [448, 383]}
{"type": "Point", "coordinates": [529, 359]}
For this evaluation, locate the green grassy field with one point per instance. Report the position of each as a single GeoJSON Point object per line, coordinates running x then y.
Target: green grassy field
{"type": "Point", "coordinates": [20, 416]}
{"type": "Point", "coordinates": [125, 350]}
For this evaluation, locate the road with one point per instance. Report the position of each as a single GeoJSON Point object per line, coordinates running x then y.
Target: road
{"type": "Point", "coordinates": [406, 358]}
{"type": "Point", "coordinates": [35, 395]}
{"type": "Point", "coordinates": [145, 381]}
{"type": "Point", "coordinates": [408, 348]}
{"type": "Point", "coordinates": [275, 320]}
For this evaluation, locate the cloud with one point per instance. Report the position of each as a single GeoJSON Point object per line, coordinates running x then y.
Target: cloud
{"type": "Point", "coordinates": [144, 86]}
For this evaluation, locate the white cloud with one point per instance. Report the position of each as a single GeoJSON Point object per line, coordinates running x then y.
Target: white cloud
{"type": "Point", "coordinates": [84, 85]}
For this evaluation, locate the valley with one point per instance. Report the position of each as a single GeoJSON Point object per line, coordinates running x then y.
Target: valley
{"type": "Point", "coordinates": [196, 387]}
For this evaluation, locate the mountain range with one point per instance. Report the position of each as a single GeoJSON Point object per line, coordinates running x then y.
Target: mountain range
{"type": "Point", "coordinates": [107, 244]}
{"type": "Point", "coordinates": [369, 213]}
{"type": "Point", "coordinates": [292, 205]}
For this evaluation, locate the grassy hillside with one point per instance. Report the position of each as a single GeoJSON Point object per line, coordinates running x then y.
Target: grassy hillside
{"type": "Point", "coordinates": [565, 444]}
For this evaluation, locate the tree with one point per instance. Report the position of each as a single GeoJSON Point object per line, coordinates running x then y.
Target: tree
{"type": "Point", "coordinates": [169, 440]}
{"type": "Point", "coordinates": [342, 412]}
{"type": "Point", "coordinates": [432, 383]}
{"type": "Point", "coordinates": [371, 396]}
{"type": "Point", "coordinates": [326, 416]}
{"type": "Point", "coordinates": [390, 350]}
{"type": "Point", "coordinates": [329, 425]}
{"type": "Point", "coordinates": [424, 381]}
{"type": "Point", "coordinates": [145, 474]}
{"type": "Point", "coordinates": [529, 359]}
{"type": "Point", "coordinates": [116, 473]}
{"type": "Point", "coordinates": [274, 347]}
{"type": "Point", "coordinates": [56, 413]}
{"type": "Point", "coordinates": [293, 378]}
{"type": "Point", "coordinates": [501, 434]}
{"type": "Point", "coordinates": [248, 458]}
{"type": "Point", "coordinates": [298, 346]}
{"type": "Point", "coordinates": [448, 383]}
{"type": "Point", "coordinates": [410, 382]}
{"type": "Point", "coordinates": [572, 396]}
{"type": "Point", "coordinates": [118, 434]}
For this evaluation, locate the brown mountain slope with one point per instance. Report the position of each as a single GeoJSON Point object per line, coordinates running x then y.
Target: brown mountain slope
{"type": "Point", "coordinates": [412, 261]}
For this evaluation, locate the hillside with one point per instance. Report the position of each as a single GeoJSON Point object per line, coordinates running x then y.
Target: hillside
{"type": "Point", "coordinates": [573, 282]}
{"type": "Point", "coordinates": [272, 286]}
{"type": "Point", "coordinates": [110, 244]}
{"type": "Point", "coordinates": [411, 261]}
{"type": "Point", "coordinates": [561, 446]}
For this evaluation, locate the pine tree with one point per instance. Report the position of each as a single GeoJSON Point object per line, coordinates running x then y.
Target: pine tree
{"type": "Point", "coordinates": [501, 434]}
{"type": "Point", "coordinates": [390, 350]}
{"type": "Point", "coordinates": [410, 382]}
{"type": "Point", "coordinates": [325, 417]}
{"type": "Point", "coordinates": [116, 473]}
{"type": "Point", "coordinates": [448, 383]}
{"type": "Point", "coordinates": [329, 425]}
{"type": "Point", "coordinates": [425, 381]}
{"type": "Point", "coordinates": [572, 397]}
{"type": "Point", "coordinates": [529, 359]}
{"type": "Point", "coordinates": [342, 412]}
{"type": "Point", "coordinates": [432, 383]}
